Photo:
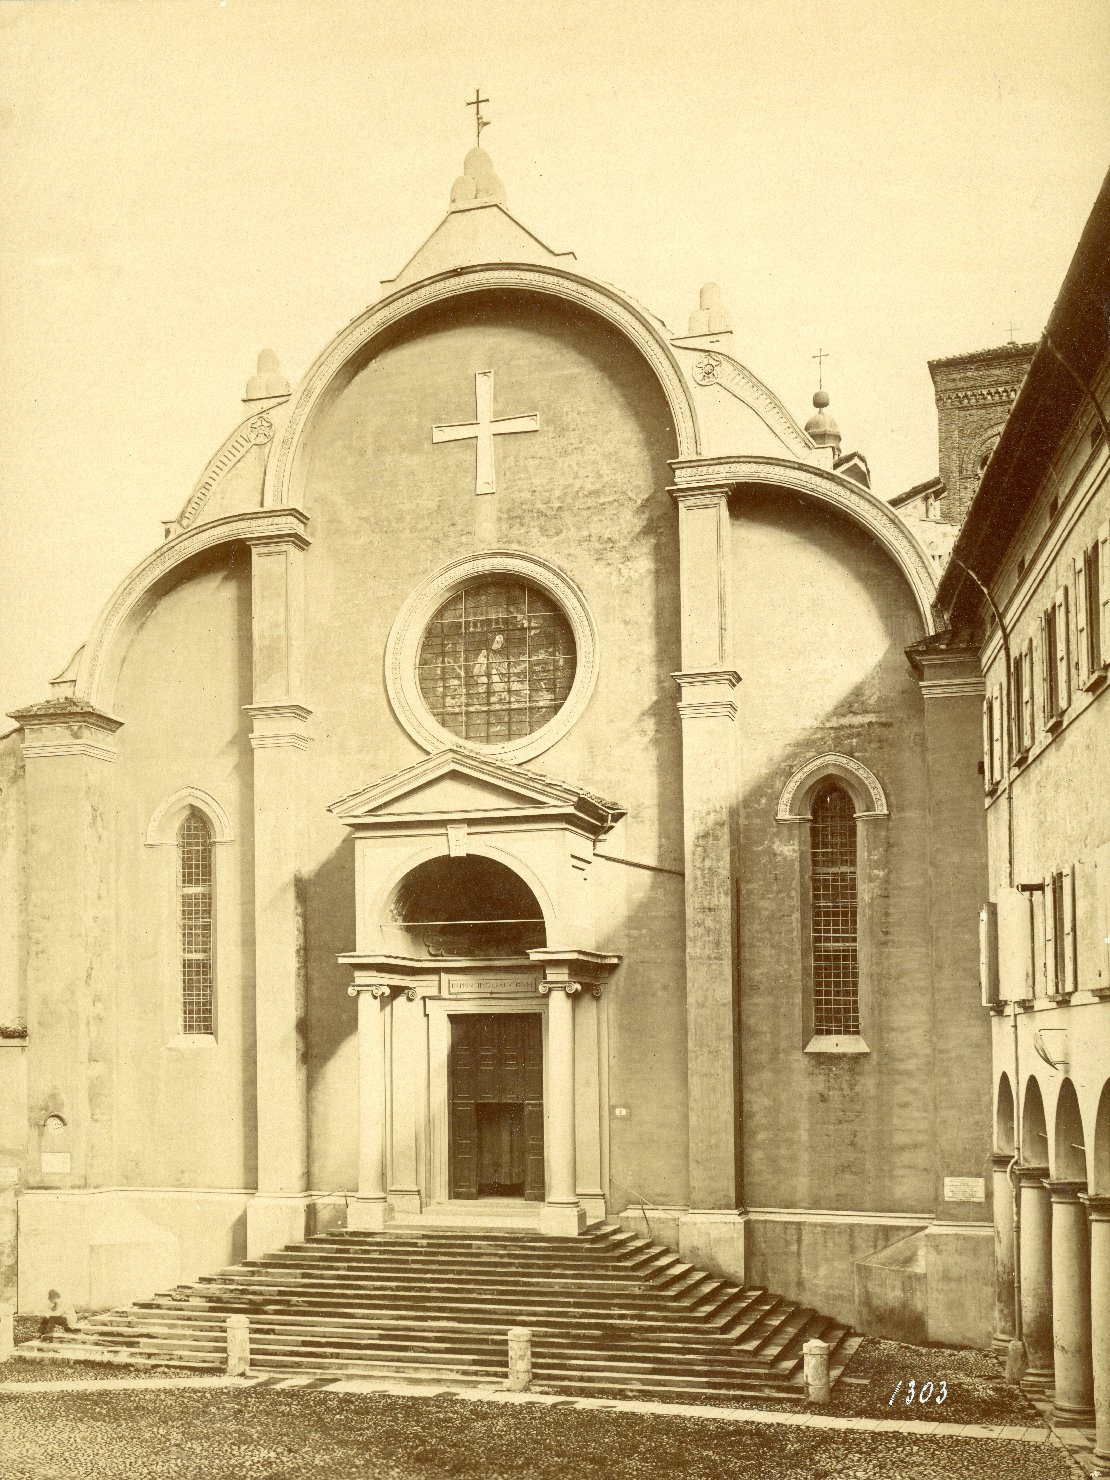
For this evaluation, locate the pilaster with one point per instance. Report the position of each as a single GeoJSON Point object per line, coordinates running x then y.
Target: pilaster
{"type": "Point", "coordinates": [952, 695]}
{"type": "Point", "coordinates": [68, 750]}
{"type": "Point", "coordinates": [279, 739]}
{"type": "Point", "coordinates": [1003, 1203]}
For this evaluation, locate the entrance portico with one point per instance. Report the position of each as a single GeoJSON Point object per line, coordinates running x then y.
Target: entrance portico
{"type": "Point", "coordinates": [444, 947]}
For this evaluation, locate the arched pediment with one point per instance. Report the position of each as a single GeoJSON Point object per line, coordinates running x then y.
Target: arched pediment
{"type": "Point", "coordinates": [636, 325]}
{"type": "Point", "coordinates": [862, 784]}
{"type": "Point", "coordinates": [826, 487]}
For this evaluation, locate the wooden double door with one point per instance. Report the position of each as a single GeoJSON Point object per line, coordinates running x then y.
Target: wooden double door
{"type": "Point", "coordinates": [495, 1073]}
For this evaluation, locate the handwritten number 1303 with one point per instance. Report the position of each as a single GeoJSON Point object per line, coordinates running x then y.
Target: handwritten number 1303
{"type": "Point", "coordinates": [927, 1393]}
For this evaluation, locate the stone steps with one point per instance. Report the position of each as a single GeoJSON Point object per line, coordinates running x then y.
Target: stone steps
{"type": "Point", "coordinates": [610, 1313]}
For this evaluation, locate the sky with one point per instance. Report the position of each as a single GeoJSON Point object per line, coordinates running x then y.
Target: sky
{"type": "Point", "coordinates": [185, 182]}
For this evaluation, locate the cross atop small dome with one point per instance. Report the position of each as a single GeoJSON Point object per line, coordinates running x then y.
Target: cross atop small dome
{"type": "Point", "coordinates": [821, 427]}
{"type": "Point", "coordinates": [478, 185]}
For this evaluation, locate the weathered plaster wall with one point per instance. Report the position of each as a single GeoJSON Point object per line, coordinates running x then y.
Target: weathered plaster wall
{"type": "Point", "coordinates": [823, 619]}
{"type": "Point", "coordinates": [587, 492]}
{"type": "Point", "coordinates": [185, 1112]}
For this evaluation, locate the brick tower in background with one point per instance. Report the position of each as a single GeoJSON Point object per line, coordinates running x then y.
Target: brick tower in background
{"type": "Point", "coordinates": [974, 394]}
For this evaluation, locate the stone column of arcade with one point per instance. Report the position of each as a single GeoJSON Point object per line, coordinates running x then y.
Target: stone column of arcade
{"type": "Point", "coordinates": [371, 1210]}
{"type": "Point", "coordinates": [1036, 1273]}
{"type": "Point", "coordinates": [711, 1233]}
{"type": "Point", "coordinates": [562, 1214]}
{"type": "Point", "coordinates": [1098, 1216]}
{"type": "Point", "coordinates": [279, 739]}
{"type": "Point", "coordinates": [1073, 1400]}
{"type": "Point", "coordinates": [1003, 1201]}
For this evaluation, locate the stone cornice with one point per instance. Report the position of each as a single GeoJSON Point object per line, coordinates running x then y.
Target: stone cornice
{"type": "Point", "coordinates": [252, 525]}
{"type": "Point", "coordinates": [554, 282]}
{"type": "Point", "coordinates": [946, 668]}
{"type": "Point", "coordinates": [66, 726]}
{"type": "Point", "coordinates": [858, 504]}
{"type": "Point", "coordinates": [981, 395]}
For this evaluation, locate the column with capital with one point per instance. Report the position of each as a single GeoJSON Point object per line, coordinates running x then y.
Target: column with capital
{"type": "Point", "coordinates": [712, 1232]}
{"type": "Point", "coordinates": [562, 1214]}
{"type": "Point", "coordinates": [279, 740]}
{"type": "Point", "coordinates": [1003, 1202]}
{"type": "Point", "coordinates": [1071, 1312]}
{"type": "Point", "coordinates": [371, 1210]}
{"type": "Point", "coordinates": [1098, 1218]}
{"type": "Point", "coordinates": [1036, 1272]}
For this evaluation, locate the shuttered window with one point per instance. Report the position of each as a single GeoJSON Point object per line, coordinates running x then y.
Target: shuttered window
{"type": "Point", "coordinates": [195, 913]}
{"type": "Point", "coordinates": [835, 938]}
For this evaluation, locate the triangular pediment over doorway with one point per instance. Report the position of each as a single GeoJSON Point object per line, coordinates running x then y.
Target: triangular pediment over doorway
{"type": "Point", "coordinates": [459, 786]}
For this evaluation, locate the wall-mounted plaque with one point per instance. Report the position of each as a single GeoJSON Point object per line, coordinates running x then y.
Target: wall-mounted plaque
{"type": "Point", "coordinates": [490, 986]}
{"type": "Point", "coordinates": [965, 1189]}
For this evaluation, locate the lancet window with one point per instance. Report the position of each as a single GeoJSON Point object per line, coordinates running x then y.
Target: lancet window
{"type": "Point", "coordinates": [195, 903]}
{"type": "Point", "coordinates": [835, 913]}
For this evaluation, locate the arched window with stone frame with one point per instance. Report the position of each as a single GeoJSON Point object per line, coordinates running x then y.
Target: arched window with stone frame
{"type": "Point", "coordinates": [195, 917]}
{"type": "Point", "coordinates": [191, 874]}
{"type": "Point", "coordinates": [835, 804]}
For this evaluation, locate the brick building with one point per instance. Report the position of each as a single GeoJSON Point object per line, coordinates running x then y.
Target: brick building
{"type": "Point", "coordinates": [506, 785]}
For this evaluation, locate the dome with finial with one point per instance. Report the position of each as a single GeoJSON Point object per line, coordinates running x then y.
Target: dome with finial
{"type": "Point", "coordinates": [267, 382]}
{"type": "Point", "coordinates": [478, 185]}
{"type": "Point", "coordinates": [821, 429]}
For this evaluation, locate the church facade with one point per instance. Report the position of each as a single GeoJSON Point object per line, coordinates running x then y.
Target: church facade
{"type": "Point", "coordinates": [505, 793]}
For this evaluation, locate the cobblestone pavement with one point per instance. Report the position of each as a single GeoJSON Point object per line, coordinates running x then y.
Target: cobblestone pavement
{"type": "Point", "coordinates": [269, 1433]}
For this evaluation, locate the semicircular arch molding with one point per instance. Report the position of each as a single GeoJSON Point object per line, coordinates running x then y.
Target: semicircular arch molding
{"type": "Point", "coordinates": [859, 780]}
{"type": "Point", "coordinates": [1004, 1115]}
{"type": "Point", "coordinates": [1034, 1127]}
{"type": "Point", "coordinates": [167, 816]}
{"type": "Point", "coordinates": [862, 507]}
{"type": "Point", "coordinates": [100, 657]}
{"type": "Point", "coordinates": [603, 301]}
{"type": "Point", "coordinates": [388, 887]}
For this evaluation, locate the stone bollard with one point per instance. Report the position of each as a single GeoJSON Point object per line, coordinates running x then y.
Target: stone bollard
{"type": "Point", "coordinates": [520, 1359]}
{"type": "Point", "coordinates": [238, 1346]}
{"type": "Point", "coordinates": [7, 1332]}
{"type": "Point", "coordinates": [815, 1355]}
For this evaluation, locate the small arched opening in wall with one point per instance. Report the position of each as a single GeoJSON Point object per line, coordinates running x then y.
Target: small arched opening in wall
{"type": "Point", "coordinates": [474, 906]}
{"type": "Point", "coordinates": [1004, 1116]}
{"type": "Point", "coordinates": [1034, 1131]}
{"type": "Point", "coordinates": [1069, 1163]}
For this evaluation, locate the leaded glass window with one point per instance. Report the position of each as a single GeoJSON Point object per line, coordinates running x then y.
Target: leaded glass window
{"type": "Point", "coordinates": [194, 911]}
{"type": "Point", "coordinates": [834, 914]}
{"type": "Point", "coordinates": [497, 660]}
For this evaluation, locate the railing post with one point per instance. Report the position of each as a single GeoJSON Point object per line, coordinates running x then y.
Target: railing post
{"type": "Point", "coordinates": [238, 1346]}
{"type": "Point", "coordinates": [7, 1332]}
{"type": "Point", "coordinates": [815, 1355]}
{"type": "Point", "coordinates": [520, 1359]}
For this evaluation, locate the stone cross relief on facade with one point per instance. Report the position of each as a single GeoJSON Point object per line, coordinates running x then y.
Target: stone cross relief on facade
{"type": "Point", "coordinates": [484, 429]}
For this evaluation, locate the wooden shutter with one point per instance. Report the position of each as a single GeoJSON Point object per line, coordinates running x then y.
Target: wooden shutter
{"type": "Point", "coordinates": [1066, 882]}
{"type": "Point", "coordinates": [464, 1111]}
{"type": "Point", "coordinates": [1063, 665]}
{"type": "Point", "coordinates": [1103, 593]}
{"type": "Point", "coordinates": [1027, 696]}
{"type": "Point", "coordinates": [996, 734]}
{"type": "Point", "coordinates": [1016, 746]}
{"type": "Point", "coordinates": [1049, 897]}
{"type": "Point", "coordinates": [988, 954]}
{"type": "Point", "coordinates": [1046, 674]}
{"type": "Point", "coordinates": [987, 744]}
{"type": "Point", "coordinates": [1082, 664]}
{"type": "Point", "coordinates": [533, 1109]}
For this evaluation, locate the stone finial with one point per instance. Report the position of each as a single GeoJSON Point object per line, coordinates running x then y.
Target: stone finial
{"type": "Point", "coordinates": [821, 429]}
{"type": "Point", "coordinates": [711, 316]}
{"type": "Point", "coordinates": [267, 382]}
{"type": "Point", "coordinates": [478, 185]}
